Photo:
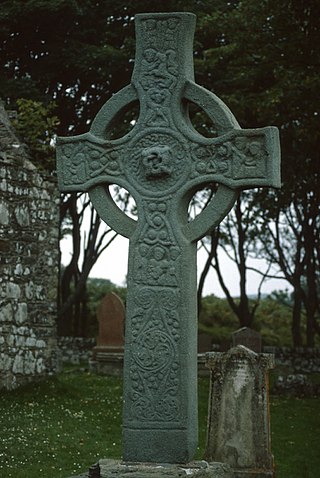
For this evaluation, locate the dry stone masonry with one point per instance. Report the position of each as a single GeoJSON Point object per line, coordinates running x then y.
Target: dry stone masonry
{"type": "Point", "coordinates": [29, 264]}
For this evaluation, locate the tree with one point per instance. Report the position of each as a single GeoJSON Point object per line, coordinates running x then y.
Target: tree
{"type": "Point", "coordinates": [238, 237]}
{"type": "Point", "coordinates": [72, 315]}
{"type": "Point", "coordinates": [290, 241]}
{"type": "Point", "coordinates": [76, 54]}
{"type": "Point", "coordinates": [37, 124]}
{"type": "Point", "coordinates": [261, 58]}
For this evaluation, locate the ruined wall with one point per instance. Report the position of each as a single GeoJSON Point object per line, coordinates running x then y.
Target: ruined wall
{"type": "Point", "coordinates": [28, 266]}
{"type": "Point", "coordinates": [75, 350]}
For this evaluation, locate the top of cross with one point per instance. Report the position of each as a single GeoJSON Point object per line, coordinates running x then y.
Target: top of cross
{"type": "Point", "coordinates": [164, 154]}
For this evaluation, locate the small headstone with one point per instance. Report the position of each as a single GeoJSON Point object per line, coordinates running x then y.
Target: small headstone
{"type": "Point", "coordinates": [239, 417]}
{"type": "Point", "coordinates": [249, 338]}
{"type": "Point", "coordinates": [108, 353]}
{"type": "Point", "coordinates": [111, 315]}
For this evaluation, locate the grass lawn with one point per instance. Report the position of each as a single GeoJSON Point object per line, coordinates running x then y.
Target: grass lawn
{"type": "Point", "coordinates": [63, 425]}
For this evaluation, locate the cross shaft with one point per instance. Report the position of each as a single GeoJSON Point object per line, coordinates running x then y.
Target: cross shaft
{"type": "Point", "coordinates": [162, 162]}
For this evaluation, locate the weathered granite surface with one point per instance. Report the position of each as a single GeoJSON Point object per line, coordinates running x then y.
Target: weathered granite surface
{"type": "Point", "coordinates": [163, 161]}
{"type": "Point", "coordinates": [239, 416]}
{"type": "Point", "coordinates": [117, 469]}
{"type": "Point", "coordinates": [198, 469]}
{"type": "Point", "coordinates": [29, 217]}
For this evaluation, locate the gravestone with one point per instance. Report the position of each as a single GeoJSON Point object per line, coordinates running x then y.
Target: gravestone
{"type": "Point", "coordinates": [162, 162]}
{"type": "Point", "coordinates": [239, 416]}
{"type": "Point", "coordinates": [110, 315]}
{"type": "Point", "coordinates": [249, 338]}
{"type": "Point", "coordinates": [108, 353]}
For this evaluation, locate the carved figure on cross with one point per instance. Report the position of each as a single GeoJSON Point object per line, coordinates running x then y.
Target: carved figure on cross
{"type": "Point", "coordinates": [162, 161]}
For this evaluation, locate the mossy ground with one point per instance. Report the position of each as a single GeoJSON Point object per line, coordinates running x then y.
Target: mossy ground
{"type": "Point", "coordinates": [61, 426]}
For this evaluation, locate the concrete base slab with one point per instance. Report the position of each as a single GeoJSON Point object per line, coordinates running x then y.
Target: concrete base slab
{"type": "Point", "coordinates": [197, 469]}
{"type": "Point", "coordinates": [253, 473]}
{"type": "Point", "coordinates": [108, 468]}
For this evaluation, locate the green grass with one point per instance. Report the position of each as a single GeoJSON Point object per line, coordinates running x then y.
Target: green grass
{"type": "Point", "coordinates": [63, 425]}
{"type": "Point", "coordinates": [295, 432]}
{"type": "Point", "coordinates": [60, 427]}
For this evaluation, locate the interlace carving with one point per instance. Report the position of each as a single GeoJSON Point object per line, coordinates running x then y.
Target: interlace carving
{"type": "Point", "coordinates": [154, 362]}
{"type": "Point", "coordinates": [86, 160]}
{"type": "Point", "coordinates": [238, 159]}
{"type": "Point", "coordinates": [162, 161]}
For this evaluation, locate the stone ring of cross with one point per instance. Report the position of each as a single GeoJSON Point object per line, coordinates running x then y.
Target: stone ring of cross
{"type": "Point", "coordinates": [162, 162]}
{"type": "Point", "coordinates": [164, 153]}
{"type": "Point", "coordinates": [224, 197]}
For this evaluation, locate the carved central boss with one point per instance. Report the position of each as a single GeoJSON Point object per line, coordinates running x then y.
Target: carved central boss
{"type": "Point", "coordinates": [162, 162]}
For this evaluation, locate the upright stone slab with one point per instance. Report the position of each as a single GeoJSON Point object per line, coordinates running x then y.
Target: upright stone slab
{"type": "Point", "coordinates": [239, 416]}
{"type": "Point", "coordinates": [163, 161]}
{"type": "Point", "coordinates": [110, 315]}
{"type": "Point", "coordinates": [108, 353]}
{"type": "Point", "coordinates": [249, 338]}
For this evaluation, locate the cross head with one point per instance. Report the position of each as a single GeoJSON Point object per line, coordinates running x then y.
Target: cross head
{"type": "Point", "coordinates": [162, 162]}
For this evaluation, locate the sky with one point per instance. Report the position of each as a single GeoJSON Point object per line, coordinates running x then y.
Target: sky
{"type": "Point", "coordinates": [112, 265]}
{"type": "Point", "coordinates": [113, 262]}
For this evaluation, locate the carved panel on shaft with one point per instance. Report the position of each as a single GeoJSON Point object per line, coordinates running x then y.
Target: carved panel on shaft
{"type": "Point", "coordinates": [155, 342]}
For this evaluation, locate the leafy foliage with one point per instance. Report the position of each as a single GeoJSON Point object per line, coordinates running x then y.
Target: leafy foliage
{"type": "Point", "coordinates": [37, 124]}
{"type": "Point", "coordinates": [77, 53]}
{"type": "Point", "coordinates": [272, 319]}
{"type": "Point", "coordinates": [261, 58]}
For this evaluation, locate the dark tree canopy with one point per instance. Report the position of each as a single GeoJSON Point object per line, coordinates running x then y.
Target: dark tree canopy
{"type": "Point", "coordinates": [76, 53]}
{"type": "Point", "coordinates": [261, 57]}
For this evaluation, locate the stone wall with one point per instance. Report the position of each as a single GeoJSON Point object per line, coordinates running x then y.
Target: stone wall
{"type": "Point", "coordinates": [296, 360]}
{"type": "Point", "coordinates": [75, 350]}
{"type": "Point", "coordinates": [300, 360]}
{"type": "Point", "coordinates": [29, 264]}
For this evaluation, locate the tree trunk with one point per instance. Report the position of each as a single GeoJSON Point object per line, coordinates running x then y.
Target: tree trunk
{"type": "Point", "coordinates": [296, 318]}
{"type": "Point", "coordinates": [311, 279]}
{"type": "Point", "coordinates": [204, 273]}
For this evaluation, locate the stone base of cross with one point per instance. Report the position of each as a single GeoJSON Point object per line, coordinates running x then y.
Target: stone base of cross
{"type": "Point", "coordinates": [162, 162]}
{"type": "Point", "coordinates": [197, 469]}
{"type": "Point", "coordinates": [108, 468]}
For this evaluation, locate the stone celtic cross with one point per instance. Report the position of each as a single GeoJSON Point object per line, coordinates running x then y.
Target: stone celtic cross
{"type": "Point", "coordinates": [162, 161]}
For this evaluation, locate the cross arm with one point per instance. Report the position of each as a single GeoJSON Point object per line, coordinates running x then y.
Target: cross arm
{"type": "Point", "coordinates": [240, 159]}
{"type": "Point", "coordinates": [237, 160]}
{"type": "Point", "coordinates": [85, 161]}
